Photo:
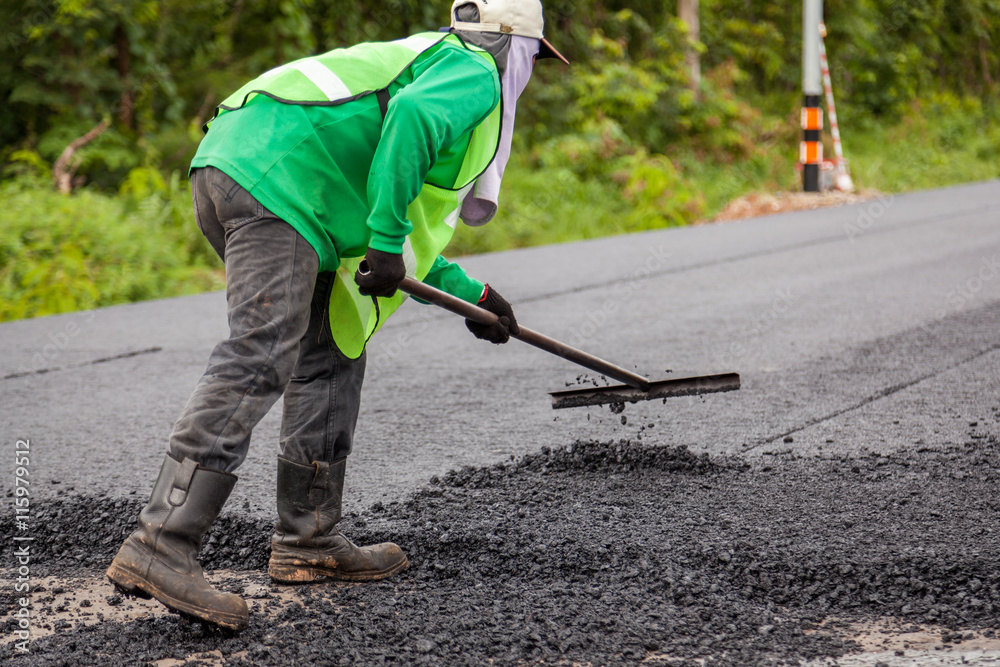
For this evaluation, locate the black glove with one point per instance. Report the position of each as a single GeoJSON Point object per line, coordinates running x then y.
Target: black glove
{"type": "Point", "coordinates": [505, 326]}
{"type": "Point", "coordinates": [380, 273]}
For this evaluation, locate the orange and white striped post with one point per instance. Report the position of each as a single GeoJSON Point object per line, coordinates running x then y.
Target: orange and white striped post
{"type": "Point", "coordinates": [811, 147]}
{"type": "Point", "coordinates": [842, 179]}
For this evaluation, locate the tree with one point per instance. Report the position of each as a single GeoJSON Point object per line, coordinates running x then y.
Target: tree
{"type": "Point", "coordinates": [687, 11]}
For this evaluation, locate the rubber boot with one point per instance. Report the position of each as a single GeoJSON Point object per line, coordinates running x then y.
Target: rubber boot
{"type": "Point", "coordinates": [306, 545]}
{"type": "Point", "coordinates": [160, 559]}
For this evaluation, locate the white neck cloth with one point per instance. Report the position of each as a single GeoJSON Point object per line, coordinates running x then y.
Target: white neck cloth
{"type": "Point", "coordinates": [480, 204]}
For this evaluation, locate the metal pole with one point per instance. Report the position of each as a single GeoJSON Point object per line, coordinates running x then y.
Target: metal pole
{"type": "Point", "coordinates": [811, 148]}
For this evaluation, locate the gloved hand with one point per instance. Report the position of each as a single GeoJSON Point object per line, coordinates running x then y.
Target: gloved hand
{"type": "Point", "coordinates": [499, 332]}
{"type": "Point", "coordinates": [384, 272]}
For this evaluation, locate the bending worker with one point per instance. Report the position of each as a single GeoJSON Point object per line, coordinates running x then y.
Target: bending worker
{"type": "Point", "coordinates": [370, 153]}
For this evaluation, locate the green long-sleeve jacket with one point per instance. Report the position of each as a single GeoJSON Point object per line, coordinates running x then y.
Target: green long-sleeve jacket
{"type": "Point", "coordinates": [341, 175]}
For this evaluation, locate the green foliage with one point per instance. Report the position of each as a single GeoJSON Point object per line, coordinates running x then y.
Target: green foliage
{"type": "Point", "coordinates": [619, 142]}
{"type": "Point", "coordinates": [548, 205]}
{"type": "Point", "coordinates": [659, 196]}
{"type": "Point", "coordinates": [560, 198]}
{"type": "Point", "coordinates": [761, 40]}
{"type": "Point", "coordinates": [558, 202]}
{"type": "Point", "coordinates": [59, 254]}
{"type": "Point", "coordinates": [26, 163]}
{"type": "Point", "coordinates": [945, 141]}
{"type": "Point", "coordinates": [633, 74]}
{"type": "Point", "coordinates": [158, 67]}
{"type": "Point", "coordinates": [884, 53]}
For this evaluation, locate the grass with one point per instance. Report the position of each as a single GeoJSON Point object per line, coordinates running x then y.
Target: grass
{"type": "Point", "coordinates": [550, 206]}
{"type": "Point", "coordinates": [944, 143]}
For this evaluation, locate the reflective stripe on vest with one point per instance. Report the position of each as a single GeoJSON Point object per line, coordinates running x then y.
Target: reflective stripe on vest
{"type": "Point", "coordinates": [337, 76]}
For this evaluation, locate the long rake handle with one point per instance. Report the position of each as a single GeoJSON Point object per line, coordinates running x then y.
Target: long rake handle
{"type": "Point", "coordinates": [541, 341]}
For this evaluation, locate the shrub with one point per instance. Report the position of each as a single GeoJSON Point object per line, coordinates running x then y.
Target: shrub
{"type": "Point", "coordinates": [63, 253]}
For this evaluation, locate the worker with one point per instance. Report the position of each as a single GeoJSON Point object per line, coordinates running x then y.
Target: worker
{"type": "Point", "coordinates": [321, 184]}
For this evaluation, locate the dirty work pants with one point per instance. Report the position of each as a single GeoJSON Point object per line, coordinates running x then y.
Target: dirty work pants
{"type": "Point", "coordinates": [279, 340]}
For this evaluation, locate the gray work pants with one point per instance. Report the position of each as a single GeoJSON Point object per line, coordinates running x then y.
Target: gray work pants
{"type": "Point", "coordinates": [279, 340]}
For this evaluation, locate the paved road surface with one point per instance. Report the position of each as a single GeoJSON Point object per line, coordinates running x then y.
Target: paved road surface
{"type": "Point", "coordinates": [865, 327]}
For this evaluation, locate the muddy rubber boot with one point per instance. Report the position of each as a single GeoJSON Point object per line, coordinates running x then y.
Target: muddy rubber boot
{"type": "Point", "coordinates": [306, 545]}
{"type": "Point", "coordinates": [160, 559]}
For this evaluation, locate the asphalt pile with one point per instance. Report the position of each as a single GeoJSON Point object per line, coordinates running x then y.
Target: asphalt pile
{"type": "Point", "coordinates": [596, 552]}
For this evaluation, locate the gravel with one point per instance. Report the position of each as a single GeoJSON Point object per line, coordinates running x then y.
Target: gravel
{"type": "Point", "coordinates": [594, 552]}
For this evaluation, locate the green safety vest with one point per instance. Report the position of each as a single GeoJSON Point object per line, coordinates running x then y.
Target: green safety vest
{"type": "Point", "coordinates": [343, 75]}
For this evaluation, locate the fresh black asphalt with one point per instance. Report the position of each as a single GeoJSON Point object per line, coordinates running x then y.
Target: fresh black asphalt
{"type": "Point", "coordinates": [853, 476]}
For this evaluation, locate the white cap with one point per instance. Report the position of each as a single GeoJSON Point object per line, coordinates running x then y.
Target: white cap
{"type": "Point", "coordinates": [510, 17]}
